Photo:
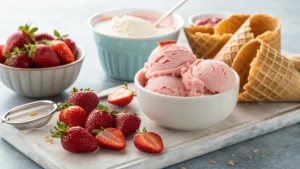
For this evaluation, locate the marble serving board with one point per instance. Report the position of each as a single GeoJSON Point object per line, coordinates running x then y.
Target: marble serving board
{"type": "Point", "coordinates": [247, 121]}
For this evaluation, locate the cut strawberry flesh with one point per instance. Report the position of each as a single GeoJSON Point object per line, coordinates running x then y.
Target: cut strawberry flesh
{"type": "Point", "coordinates": [120, 94]}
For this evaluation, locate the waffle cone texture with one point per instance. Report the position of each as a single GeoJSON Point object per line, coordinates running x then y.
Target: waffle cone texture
{"type": "Point", "coordinates": [265, 74]}
{"type": "Point", "coordinates": [206, 41]}
{"type": "Point", "coordinates": [260, 26]}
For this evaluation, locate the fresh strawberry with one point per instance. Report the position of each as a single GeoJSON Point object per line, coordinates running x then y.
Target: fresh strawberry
{"type": "Point", "coordinates": [42, 55]}
{"type": "Point", "coordinates": [166, 42]}
{"type": "Point", "coordinates": [127, 122]}
{"type": "Point", "coordinates": [100, 118]}
{"type": "Point", "coordinates": [75, 139]}
{"type": "Point", "coordinates": [43, 36]}
{"type": "Point", "coordinates": [24, 36]}
{"type": "Point", "coordinates": [63, 52]}
{"type": "Point", "coordinates": [148, 141]}
{"type": "Point", "coordinates": [121, 96]}
{"type": "Point", "coordinates": [110, 138]}
{"type": "Point", "coordinates": [84, 98]}
{"type": "Point", "coordinates": [71, 44]}
{"type": "Point", "coordinates": [2, 57]}
{"type": "Point", "coordinates": [72, 115]}
{"type": "Point", "coordinates": [19, 58]}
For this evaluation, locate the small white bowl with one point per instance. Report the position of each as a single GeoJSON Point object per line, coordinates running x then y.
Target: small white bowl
{"type": "Point", "coordinates": [185, 113]}
{"type": "Point", "coordinates": [41, 82]}
{"type": "Point", "coordinates": [203, 15]}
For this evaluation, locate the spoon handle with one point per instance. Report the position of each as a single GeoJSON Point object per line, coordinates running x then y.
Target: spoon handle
{"type": "Point", "coordinates": [106, 92]}
{"type": "Point", "coordinates": [169, 13]}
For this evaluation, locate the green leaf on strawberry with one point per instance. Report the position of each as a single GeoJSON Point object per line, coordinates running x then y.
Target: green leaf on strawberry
{"type": "Point", "coordinates": [60, 129]}
{"type": "Point", "coordinates": [64, 105]}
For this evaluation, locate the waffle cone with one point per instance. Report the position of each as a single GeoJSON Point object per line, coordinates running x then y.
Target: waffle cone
{"type": "Point", "coordinates": [270, 76]}
{"type": "Point", "coordinates": [206, 41]}
{"type": "Point", "coordinates": [259, 26]}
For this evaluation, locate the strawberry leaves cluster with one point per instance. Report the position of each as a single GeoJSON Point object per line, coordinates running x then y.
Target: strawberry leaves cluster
{"type": "Point", "coordinates": [102, 127]}
{"type": "Point", "coordinates": [28, 49]}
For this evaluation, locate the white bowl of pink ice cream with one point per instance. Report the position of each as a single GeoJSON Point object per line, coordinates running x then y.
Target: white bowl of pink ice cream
{"type": "Point", "coordinates": [180, 92]}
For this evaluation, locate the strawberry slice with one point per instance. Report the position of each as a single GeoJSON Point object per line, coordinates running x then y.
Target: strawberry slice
{"type": "Point", "coordinates": [121, 96]}
{"type": "Point", "coordinates": [166, 42]}
{"type": "Point", "coordinates": [110, 138]}
{"type": "Point", "coordinates": [148, 142]}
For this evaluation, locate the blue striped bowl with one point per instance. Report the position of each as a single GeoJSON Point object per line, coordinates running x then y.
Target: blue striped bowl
{"type": "Point", "coordinates": [122, 57]}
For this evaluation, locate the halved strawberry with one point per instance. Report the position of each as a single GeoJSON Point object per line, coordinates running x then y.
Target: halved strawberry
{"type": "Point", "coordinates": [148, 142]}
{"type": "Point", "coordinates": [110, 138]}
{"type": "Point", "coordinates": [166, 42]}
{"type": "Point", "coordinates": [121, 96]}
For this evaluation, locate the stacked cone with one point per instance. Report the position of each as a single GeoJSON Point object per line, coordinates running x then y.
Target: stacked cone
{"type": "Point", "coordinates": [264, 27]}
{"type": "Point", "coordinates": [254, 52]}
{"type": "Point", "coordinates": [206, 41]}
{"type": "Point", "coordinates": [269, 77]}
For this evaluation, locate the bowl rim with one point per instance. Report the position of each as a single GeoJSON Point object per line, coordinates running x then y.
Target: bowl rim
{"type": "Point", "coordinates": [237, 85]}
{"type": "Point", "coordinates": [81, 58]}
{"type": "Point", "coordinates": [221, 13]}
{"type": "Point", "coordinates": [179, 27]}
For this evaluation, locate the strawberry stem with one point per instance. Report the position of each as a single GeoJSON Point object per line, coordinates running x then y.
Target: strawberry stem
{"type": "Point", "coordinates": [64, 105]}
{"type": "Point", "coordinates": [58, 35]}
{"type": "Point", "coordinates": [26, 28]}
{"type": "Point", "coordinates": [60, 129]}
{"type": "Point", "coordinates": [102, 107]}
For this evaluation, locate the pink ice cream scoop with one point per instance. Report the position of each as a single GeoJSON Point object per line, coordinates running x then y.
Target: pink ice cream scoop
{"type": "Point", "coordinates": [216, 75]}
{"type": "Point", "coordinates": [167, 85]}
{"type": "Point", "coordinates": [194, 86]}
{"type": "Point", "coordinates": [168, 60]}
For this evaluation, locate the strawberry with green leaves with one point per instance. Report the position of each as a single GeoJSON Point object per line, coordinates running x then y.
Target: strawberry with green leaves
{"type": "Point", "coordinates": [25, 35]}
{"type": "Point", "coordinates": [75, 139]}
{"type": "Point", "coordinates": [110, 138]}
{"type": "Point", "coordinates": [85, 98]}
{"type": "Point", "coordinates": [72, 115]}
{"type": "Point", "coordinates": [18, 58]}
{"type": "Point", "coordinates": [121, 96]}
{"type": "Point", "coordinates": [127, 122]}
{"type": "Point", "coordinates": [148, 142]}
{"type": "Point", "coordinates": [42, 55]}
{"type": "Point", "coordinates": [99, 118]}
{"type": "Point", "coordinates": [71, 44]}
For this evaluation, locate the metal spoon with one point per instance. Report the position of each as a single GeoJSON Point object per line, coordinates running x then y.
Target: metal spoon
{"type": "Point", "coordinates": [20, 117]}
{"type": "Point", "coordinates": [168, 13]}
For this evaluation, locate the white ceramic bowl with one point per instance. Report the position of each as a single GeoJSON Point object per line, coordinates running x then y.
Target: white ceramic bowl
{"type": "Point", "coordinates": [203, 15]}
{"type": "Point", "coordinates": [185, 113]}
{"type": "Point", "coordinates": [41, 82]}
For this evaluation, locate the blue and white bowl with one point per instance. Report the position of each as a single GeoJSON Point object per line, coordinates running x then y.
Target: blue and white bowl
{"type": "Point", "coordinates": [123, 57]}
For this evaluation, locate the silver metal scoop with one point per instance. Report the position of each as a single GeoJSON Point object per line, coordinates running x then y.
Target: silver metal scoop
{"type": "Point", "coordinates": [37, 114]}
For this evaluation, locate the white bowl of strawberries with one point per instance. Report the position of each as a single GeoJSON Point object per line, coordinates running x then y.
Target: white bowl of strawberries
{"type": "Point", "coordinates": [38, 64]}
